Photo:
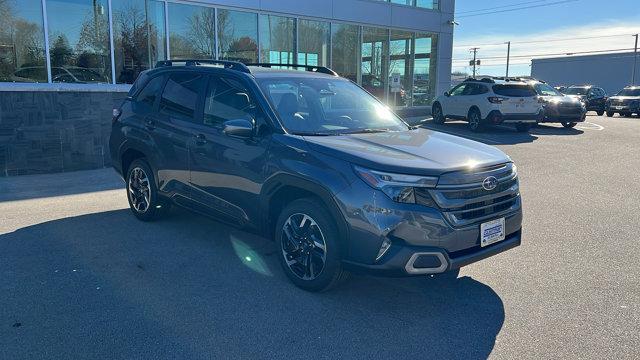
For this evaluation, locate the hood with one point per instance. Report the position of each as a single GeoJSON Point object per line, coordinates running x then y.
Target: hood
{"type": "Point", "coordinates": [418, 152]}
{"type": "Point", "coordinates": [564, 99]}
{"type": "Point", "coordinates": [624, 97]}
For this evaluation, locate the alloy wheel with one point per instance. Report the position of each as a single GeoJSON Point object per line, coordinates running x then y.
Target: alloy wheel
{"type": "Point", "coordinates": [303, 246]}
{"type": "Point", "coordinates": [139, 190]}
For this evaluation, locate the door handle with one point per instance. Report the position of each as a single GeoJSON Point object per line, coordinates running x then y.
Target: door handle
{"type": "Point", "coordinates": [201, 139]}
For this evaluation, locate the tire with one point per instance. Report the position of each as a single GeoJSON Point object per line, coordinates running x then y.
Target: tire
{"type": "Point", "coordinates": [523, 127]}
{"type": "Point", "coordinates": [438, 115]}
{"type": "Point", "coordinates": [475, 120]}
{"type": "Point", "coordinates": [569, 125]}
{"type": "Point", "coordinates": [318, 231]}
{"type": "Point", "coordinates": [600, 113]}
{"type": "Point", "coordinates": [610, 113]}
{"type": "Point", "coordinates": [142, 192]}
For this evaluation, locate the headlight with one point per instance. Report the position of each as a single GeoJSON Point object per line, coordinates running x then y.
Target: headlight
{"type": "Point", "coordinates": [399, 187]}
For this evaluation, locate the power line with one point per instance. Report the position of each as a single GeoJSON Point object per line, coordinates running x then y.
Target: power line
{"type": "Point", "coordinates": [545, 40]}
{"type": "Point", "coordinates": [552, 54]}
{"type": "Point", "coordinates": [520, 8]}
{"type": "Point", "coordinates": [503, 6]}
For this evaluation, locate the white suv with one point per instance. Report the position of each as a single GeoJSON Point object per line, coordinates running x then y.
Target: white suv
{"type": "Point", "coordinates": [490, 101]}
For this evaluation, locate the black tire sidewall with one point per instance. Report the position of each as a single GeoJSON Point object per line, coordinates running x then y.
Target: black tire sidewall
{"type": "Point", "coordinates": [479, 126]}
{"type": "Point", "coordinates": [438, 119]}
{"type": "Point", "coordinates": [332, 271]}
{"type": "Point", "coordinates": [153, 211]}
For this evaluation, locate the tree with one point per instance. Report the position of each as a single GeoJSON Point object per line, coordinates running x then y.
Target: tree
{"type": "Point", "coordinates": [61, 52]}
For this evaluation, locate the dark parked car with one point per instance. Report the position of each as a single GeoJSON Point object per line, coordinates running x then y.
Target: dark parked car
{"type": "Point", "coordinates": [593, 97]}
{"type": "Point", "coordinates": [560, 108]}
{"type": "Point", "coordinates": [313, 161]}
{"type": "Point", "coordinates": [625, 103]}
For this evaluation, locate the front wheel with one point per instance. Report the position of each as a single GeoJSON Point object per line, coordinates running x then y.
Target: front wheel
{"type": "Point", "coordinates": [600, 113]}
{"type": "Point", "coordinates": [308, 244]}
{"type": "Point", "coordinates": [610, 113]}
{"type": "Point", "coordinates": [438, 115]}
{"type": "Point", "coordinates": [569, 125]}
{"type": "Point", "coordinates": [523, 127]}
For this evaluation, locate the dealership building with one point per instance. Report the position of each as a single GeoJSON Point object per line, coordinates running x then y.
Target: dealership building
{"type": "Point", "coordinates": [65, 63]}
{"type": "Point", "coordinates": [612, 71]}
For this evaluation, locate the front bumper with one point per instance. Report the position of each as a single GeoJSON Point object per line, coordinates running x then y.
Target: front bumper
{"type": "Point", "coordinates": [623, 109]}
{"type": "Point", "coordinates": [402, 261]}
{"type": "Point", "coordinates": [374, 219]}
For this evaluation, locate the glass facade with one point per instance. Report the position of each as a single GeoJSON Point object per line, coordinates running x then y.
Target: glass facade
{"type": "Point", "coordinates": [345, 50]}
{"type": "Point", "coordinates": [277, 39]}
{"type": "Point", "coordinates": [313, 42]}
{"type": "Point", "coordinates": [79, 41]}
{"type": "Point", "coordinates": [192, 32]}
{"type": "Point", "coordinates": [375, 61]}
{"type": "Point", "coordinates": [112, 41]}
{"type": "Point", "coordinates": [138, 37]}
{"type": "Point", "coordinates": [22, 52]}
{"type": "Point", "coordinates": [238, 35]}
{"type": "Point", "coordinates": [424, 70]}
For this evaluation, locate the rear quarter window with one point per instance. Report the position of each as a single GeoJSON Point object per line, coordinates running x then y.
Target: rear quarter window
{"type": "Point", "coordinates": [514, 90]}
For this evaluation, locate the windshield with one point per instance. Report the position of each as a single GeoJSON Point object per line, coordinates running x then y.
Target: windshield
{"type": "Point", "coordinates": [546, 90]}
{"type": "Point", "coordinates": [327, 106]}
{"type": "Point", "coordinates": [576, 91]}
{"type": "Point", "coordinates": [629, 92]}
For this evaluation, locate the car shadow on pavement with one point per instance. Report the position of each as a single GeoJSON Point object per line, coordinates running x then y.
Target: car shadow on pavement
{"type": "Point", "coordinates": [105, 285]}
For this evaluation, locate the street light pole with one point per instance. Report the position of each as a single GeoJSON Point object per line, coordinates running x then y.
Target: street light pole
{"type": "Point", "coordinates": [635, 61]}
{"type": "Point", "coordinates": [508, 56]}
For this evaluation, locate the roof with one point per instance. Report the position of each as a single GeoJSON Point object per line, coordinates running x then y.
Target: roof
{"type": "Point", "coordinates": [257, 69]}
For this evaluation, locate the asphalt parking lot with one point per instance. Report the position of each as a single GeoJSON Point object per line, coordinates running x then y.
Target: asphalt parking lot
{"type": "Point", "coordinates": [81, 278]}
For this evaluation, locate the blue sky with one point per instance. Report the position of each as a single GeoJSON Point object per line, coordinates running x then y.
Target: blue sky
{"type": "Point", "coordinates": [566, 19]}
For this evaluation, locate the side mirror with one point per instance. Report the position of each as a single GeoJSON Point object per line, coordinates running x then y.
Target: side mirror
{"type": "Point", "coordinates": [446, 93]}
{"type": "Point", "coordinates": [241, 128]}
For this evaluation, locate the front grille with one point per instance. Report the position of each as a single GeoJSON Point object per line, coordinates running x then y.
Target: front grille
{"type": "Point", "coordinates": [467, 204]}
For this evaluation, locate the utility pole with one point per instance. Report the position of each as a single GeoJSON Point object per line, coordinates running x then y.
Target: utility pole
{"type": "Point", "coordinates": [635, 61]}
{"type": "Point", "coordinates": [475, 52]}
{"type": "Point", "coordinates": [508, 56]}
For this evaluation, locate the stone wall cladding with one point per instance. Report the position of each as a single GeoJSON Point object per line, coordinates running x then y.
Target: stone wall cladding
{"type": "Point", "coordinates": [46, 132]}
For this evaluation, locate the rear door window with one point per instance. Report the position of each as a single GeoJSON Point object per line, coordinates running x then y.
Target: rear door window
{"type": "Point", "coordinates": [512, 90]}
{"type": "Point", "coordinates": [180, 96]}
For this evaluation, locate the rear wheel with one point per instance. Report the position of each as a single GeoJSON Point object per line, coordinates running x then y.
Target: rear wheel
{"type": "Point", "coordinates": [610, 113]}
{"type": "Point", "coordinates": [438, 115]}
{"type": "Point", "coordinates": [308, 244]}
{"type": "Point", "coordinates": [475, 120]}
{"type": "Point", "coordinates": [523, 127]}
{"type": "Point", "coordinates": [569, 125]}
{"type": "Point", "coordinates": [600, 113]}
{"type": "Point", "coordinates": [142, 192]}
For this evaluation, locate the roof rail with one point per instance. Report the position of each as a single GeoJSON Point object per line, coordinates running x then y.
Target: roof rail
{"type": "Point", "coordinates": [486, 80]}
{"type": "Point", "coordinates": [233, 65]}
{"type": "Point", "coordinates": [312, 68]}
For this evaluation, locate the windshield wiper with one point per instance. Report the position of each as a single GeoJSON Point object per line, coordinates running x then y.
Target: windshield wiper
{"type": "Point", "coordinates": [362, 131]}
{"type": "Point", "coordinates": [311, 133]}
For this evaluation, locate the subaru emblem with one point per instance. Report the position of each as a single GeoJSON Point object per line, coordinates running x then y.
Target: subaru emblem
{"type": "Point", "coordinates": [489, 183]}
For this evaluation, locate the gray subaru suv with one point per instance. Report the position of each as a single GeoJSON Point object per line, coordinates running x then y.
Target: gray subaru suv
{"type": "Point", "coordinates": [316, 163]}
